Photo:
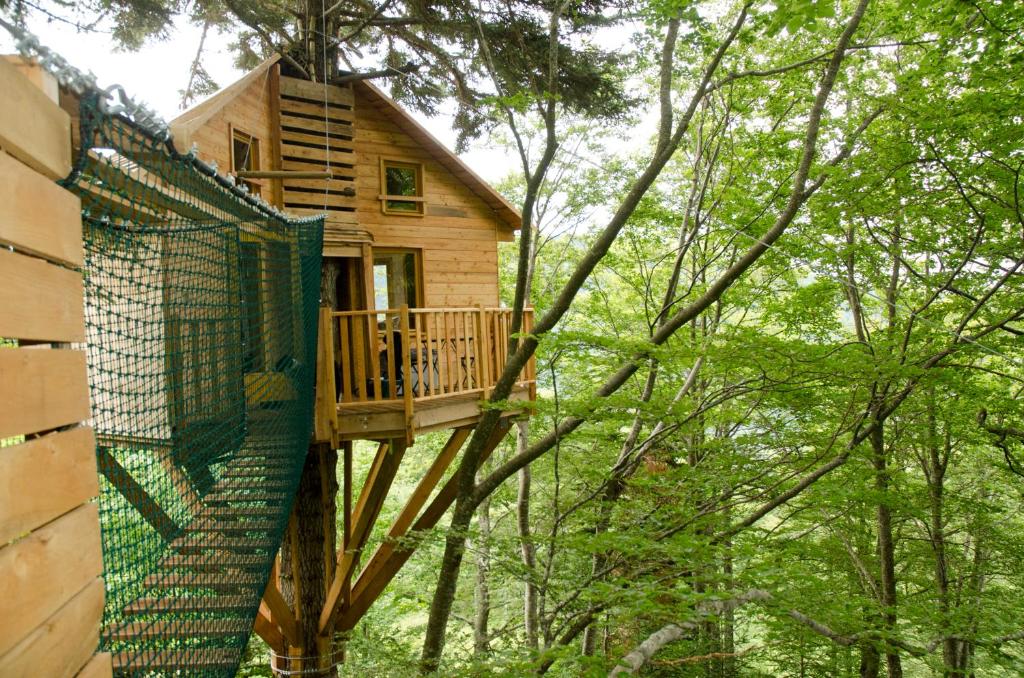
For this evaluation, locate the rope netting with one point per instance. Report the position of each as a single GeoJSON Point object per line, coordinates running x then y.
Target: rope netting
{"type": "Point", "coordinates": [201, 311]}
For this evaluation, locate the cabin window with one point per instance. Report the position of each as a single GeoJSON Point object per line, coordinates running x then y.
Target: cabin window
{"type": "Point", "coordinates": [396, 275]}
{"type": "Point", "coordinates": [401, 187]}
{"type": "Point", "coordinates": [245, 157]}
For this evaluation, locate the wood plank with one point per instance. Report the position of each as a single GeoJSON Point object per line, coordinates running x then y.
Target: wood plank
{"type": "Point", "coordinates": [280, 614]}
{"type": "Point", "coordinates": [136, 494]}
{"type": "Point", "coordinates": [337, 129]}
{"type": "Point", "coordinates": [316, 91]}
{"type": "Point", "coordinates": [40, 301]}
{"type": "Point", "coordinates": [37, 215]}
{"type": "Point", "coordinates": [41, 389]}
{"type": "Point", "coordinates": [99, 667]}
{"type": "Point", "coordinates": [149, 605]}
{"type": "Point", "coordinates": [154, 660]}
{"type": "Point", "coordinates": [45, 570]}
{"type": "Point", "coordinates": [195, 628]}
{"type": "Point", "coordinates": [33, 129]}
{"type": "Point", "coordinates": [64, 643]}
{"type": "Point", "coordinates": [315, 111]}
{"type": "Point", "coordinates": [45, 478]}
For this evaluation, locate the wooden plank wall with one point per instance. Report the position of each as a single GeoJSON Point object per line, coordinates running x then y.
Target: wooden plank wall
{"type": "Point", "coordinates": [51, 591]}
{"type": "Point", "coordinates": [316, 135]}
{"type": "Point", "coordinates": [459, 233]}
{"type": "Point", "coordinates": [248, 113]}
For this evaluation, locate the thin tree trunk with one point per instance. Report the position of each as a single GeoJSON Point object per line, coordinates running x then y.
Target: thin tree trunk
{"type": "Point", "coordinates": [886, 546]}
{"type": "Point", "coordinates": [482, 593]}
{"type": "Point", "coordinates": [527, 549]}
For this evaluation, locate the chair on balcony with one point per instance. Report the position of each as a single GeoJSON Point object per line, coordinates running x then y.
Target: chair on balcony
{"type": "Point", "coordinates": [396, 355]}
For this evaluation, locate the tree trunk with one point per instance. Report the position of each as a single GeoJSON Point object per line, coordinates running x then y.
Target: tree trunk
{"type": "Point", "coordinates": [526, 540]}
{"type": "Point", "coordinates": [482, 593]}
{"type": "Point", "coordinates": [886, 546]}
{"type": "Point", "coordinates": [308, 547]}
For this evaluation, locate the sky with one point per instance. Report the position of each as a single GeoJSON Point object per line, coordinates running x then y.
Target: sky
{"type": "Point", "coordinates": [156, 74]}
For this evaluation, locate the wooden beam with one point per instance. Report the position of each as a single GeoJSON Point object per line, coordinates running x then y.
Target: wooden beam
{"type": "Point", "coordinates": [280, 614]}
{"type": "Point", "coordinates": [268, 631]}
{"type": "Point", "coordinates": [371, 499]}
{"type": "Point", "coordinates": [409, 512]}
{"type": "Point", "coordinates": [136, 495]}
{"type": "Point", "coordinates": [274, 104]}
{"type": "Point", "coordinates": [377, 575]}
{"type": "Point", "coordinates": [33, 129]}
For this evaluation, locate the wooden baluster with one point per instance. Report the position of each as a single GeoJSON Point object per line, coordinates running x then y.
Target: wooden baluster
{"type": "Point", "coordinates": [421, 359]}
{"type": "Point", "coordinates": [482, 349]}
{"type": "Point", "coordinates": [403, 325]}
{"type": "Point", "coordinates": [373, 350]}
{"type": "Point", "coordinates": [346, 359]}
{"type": "Point", "coordinates": [468, 366]}
{"type": "Point", "coordinates": [449, 349]}
{"type": "Point", "coordinates": [429, 318]}
{"type": "Point", "coordinates": [390, 357]}
{"type": "Point", "coordinates": [359, 358]}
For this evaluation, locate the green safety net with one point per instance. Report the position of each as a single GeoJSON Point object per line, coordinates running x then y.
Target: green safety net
{"type": "Point", "coordinates": [201, 313]}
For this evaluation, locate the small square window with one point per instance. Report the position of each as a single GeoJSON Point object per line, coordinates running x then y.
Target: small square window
{"type": "Point", "coordinates": [401, 187]}
{"type": "Point", "coordinates": [245, 157]}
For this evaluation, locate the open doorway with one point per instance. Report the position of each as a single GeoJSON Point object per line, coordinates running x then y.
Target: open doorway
{"type": "Point", "coordinates": [397, 278]}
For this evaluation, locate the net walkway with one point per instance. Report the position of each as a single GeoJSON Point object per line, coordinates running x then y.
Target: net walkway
{"type": "Point", "coordinates": [201, 311]}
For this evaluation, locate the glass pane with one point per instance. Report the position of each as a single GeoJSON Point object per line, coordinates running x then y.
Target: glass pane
{"type": "Point", "coordinates": [242, 149]}
{"type": "Point", "coordinates": [394, 280]}
{"type": "Point", "coordinates": [400, 181]}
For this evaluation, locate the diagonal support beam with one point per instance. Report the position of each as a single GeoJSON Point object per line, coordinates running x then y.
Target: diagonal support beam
{"type": "Point", "coordinates": [371, 499]}
{"type": "Point", "coordinates": [280, 614]}
{"type": "Point", "coordinates": [136, 495]}
{"type": "Point", "coordinates": [390, 556]}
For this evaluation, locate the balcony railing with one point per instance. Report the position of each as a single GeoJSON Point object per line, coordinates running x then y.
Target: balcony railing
{"type": "Point", "coordinates": [400, 357]}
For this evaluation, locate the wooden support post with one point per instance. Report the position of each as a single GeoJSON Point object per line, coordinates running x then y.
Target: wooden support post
{"type": "Point", "coordinates": [326, 418]}
{"type": "Point", "coordinates": [136, 495]}
{"type": "Point", "coordinates": [274, 103]}
{"type": "Point", "coordinates": [371, 499]}
{"type": "Point", "coordinates": [403, 322]}
{"type": "Point", "coordinates": [280, 614]}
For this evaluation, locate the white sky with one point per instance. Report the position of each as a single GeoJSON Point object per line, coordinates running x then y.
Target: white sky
{"type": "Point", "coordinates": [155, 75]}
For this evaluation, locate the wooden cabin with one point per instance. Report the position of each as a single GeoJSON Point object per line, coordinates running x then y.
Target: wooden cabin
{"type": "Point", "coordinates": [411, 320]}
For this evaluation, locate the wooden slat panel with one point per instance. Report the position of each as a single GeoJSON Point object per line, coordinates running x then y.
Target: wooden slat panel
{"type": "Point", "coordinates": [33, 129]}
{"type": "Point", "coordinates": [45, 478]}
{"type": "Point", "coordinates": [37, 215]}
{"type": "Point", "coordinates": [316, 91]}
{"type": "Point", "coordinates": [315, 111]}
{"type": "Point", "coordinates": [41, 389]}
{"type": "Point", "coordinates": [64, 643]}
{"type": "Point", "coordinates": [99, 667]}
{"type": "Point", "coordinates": [45, 569]}
{"type": "Point", "coordinates": [40, 301]}
{"type": "Point", "coordinates": [340, 129]}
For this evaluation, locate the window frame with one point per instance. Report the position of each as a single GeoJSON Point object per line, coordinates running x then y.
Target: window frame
{"type": "Point", "coordinates": [418, 200]}
{"type": "Point", "coordinates": [235, 133]}
{"type": "Point", "coordinates": [417, 256]}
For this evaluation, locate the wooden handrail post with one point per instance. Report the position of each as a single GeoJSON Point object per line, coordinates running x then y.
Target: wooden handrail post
{"type": "Point", "coordinates": [326, 396]}
{"type": "Point", "coordinates": [403, 320]}
{"type": "Point", "coordinates": [483, 350]}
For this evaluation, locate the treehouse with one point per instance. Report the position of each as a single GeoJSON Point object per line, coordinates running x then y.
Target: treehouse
{"type": "Point", "coordinates": [412, 334]}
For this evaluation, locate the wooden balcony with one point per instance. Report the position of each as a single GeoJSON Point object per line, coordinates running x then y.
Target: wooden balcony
{"type": "Point", "coordinates": [397, 372]}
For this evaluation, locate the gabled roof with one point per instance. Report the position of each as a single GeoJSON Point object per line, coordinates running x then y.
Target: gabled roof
{"type": "Point", "coordinates": [185, 125]}
{"type": "Point", "coordinates": [405, 122]}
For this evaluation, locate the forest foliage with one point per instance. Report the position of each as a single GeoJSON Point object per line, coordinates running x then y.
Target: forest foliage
{"type": "Point", "coordinates": [775, 251]}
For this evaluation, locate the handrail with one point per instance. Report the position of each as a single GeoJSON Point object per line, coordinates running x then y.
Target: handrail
{"type": "Point", "coordinates": [417, 354]}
